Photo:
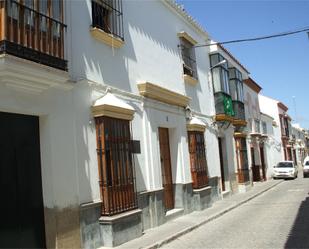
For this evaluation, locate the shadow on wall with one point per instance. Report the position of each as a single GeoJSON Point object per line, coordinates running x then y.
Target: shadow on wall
{"type": "Point", "coordinates": [298, 236]}
{"type": "Point", "coordinates": [102, 63]}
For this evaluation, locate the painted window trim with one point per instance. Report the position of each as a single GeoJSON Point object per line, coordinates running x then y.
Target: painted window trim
{"type": "Point", "coordinates": [106, 38]}
{"type": "Point", "coordinates": [190, 80]}
{"type": "Point", "coordinates": [162, 94]}
{"type": "Point", "coordinates": [186, 36]}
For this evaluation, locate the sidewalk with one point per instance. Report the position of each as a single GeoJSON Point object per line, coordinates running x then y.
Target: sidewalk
{"type": "Point", "coordinates": [158, 236]}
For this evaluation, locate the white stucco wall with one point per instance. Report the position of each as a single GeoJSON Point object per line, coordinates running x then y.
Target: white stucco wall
{"type": "Point", "coordinates": [149, 54]}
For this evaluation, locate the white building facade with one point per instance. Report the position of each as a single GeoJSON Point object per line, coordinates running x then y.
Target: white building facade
{"type": "Point", "coordinates": [269, 107]}
{"type": "Point", "coordinates": [123, 116]}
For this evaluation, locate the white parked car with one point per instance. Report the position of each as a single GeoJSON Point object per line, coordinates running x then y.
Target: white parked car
{"type": "Point", "coordinates": [306, 169]}
{"type": "Point", "coordinates": [285, 169]}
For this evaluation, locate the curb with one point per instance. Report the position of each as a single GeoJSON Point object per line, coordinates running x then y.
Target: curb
{"type": "Point", "coordinates": [169, 239]}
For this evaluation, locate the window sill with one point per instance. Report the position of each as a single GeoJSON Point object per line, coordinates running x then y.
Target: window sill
{"type": "Point", "coordinates": [106, 38]}
{"type": "Point", "coordinates": [190, 80]}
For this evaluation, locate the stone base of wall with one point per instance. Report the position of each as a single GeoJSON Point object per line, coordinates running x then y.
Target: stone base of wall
{"type": "Point", "coordinates": [215, 184]}
{"type": "Point", "coordinates": [62, 227]}
{"type": "Point", "coordinates": [152, 206]}
{"type": "Point", "coordinates": [234, 182]}
{"type": "Point", "coordinates": [202, 198]}
{"type": "Point", "coordinates": [98, 231]}
{"type": "Point", "coordinates": [121, 228]}
{"type": "Point", "coordinates": [183, 194]}
{"type": "Point", "coordinates": [244, 187]}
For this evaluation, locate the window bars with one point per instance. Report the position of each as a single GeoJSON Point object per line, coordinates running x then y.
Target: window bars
{"type": "Point", "coordinates": [116, 165]}
{"type": "Point", "coordinates": [107, 15]}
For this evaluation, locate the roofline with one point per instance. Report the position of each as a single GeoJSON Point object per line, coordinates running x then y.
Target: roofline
{"type": "Point", "coordinates": [266, 115]}
{"type": "Point", "coordinates": [185, 15]}
{"type": "Point", "coordinates": [282, 106]}
{"type": "Point", "coordinates": [253, 85]}
{"type": "Point", "coordinates": [232, 57]}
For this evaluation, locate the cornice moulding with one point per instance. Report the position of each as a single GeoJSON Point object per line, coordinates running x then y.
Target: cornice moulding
{"type": "Point", "coordinates": [27, 76]}
{"type": "Point", "coordinates": [162, 94]}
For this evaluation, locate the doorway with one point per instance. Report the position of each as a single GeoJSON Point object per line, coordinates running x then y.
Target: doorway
{"type": "Point", "coordinates": [263, 162]}
{"type": "Point", "coordinates": [221, 163]}
{"type": "Point", "coordinates": [22, 213]}
{"type": "Point", "coordinates": [165, 158]}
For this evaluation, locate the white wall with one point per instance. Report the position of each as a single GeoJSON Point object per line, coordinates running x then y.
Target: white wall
{"type": "Point", "coordinates": [150, 53]}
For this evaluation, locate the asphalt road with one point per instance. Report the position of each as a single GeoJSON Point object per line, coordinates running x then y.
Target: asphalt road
{"type": "Point", "coordinates": [278, 218]}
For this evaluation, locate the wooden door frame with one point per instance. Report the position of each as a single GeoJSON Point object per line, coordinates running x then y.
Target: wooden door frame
{"type": "Point", "coordinates": [169, 201]}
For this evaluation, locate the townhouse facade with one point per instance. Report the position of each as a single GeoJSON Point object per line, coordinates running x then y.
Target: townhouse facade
{"type": "Point", "coordinates": [116, 117]}
{"type": "Point", "coordinates": [227, 78]}
{"type": "Point", "coordinates": [111, 126]}
{"type": "Point", "coordinates": [299, 137]}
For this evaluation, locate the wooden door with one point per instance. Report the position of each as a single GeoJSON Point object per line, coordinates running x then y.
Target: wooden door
{"type": "Point", "coordinates": [166, 168]}
{"type": "Point", "coordinates": [22, 211]}
{"type": "Point", "coordinates": [263, 162]}
{"type": "Point", "coordinates": [221, 163]}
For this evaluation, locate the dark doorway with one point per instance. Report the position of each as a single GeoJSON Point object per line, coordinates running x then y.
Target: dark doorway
{"type": "Point", "coordinates": [255, 168]}
{"type": "Point", "coordinates": [221, 163]}
{"type": "Point", "coordinates": [263, 162]}
{"type": "Point", "coordinates": [166, 168]}
{"type": "Point", "coordinates": [21, 214]}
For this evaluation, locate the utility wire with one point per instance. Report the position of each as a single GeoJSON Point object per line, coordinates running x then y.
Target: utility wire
{"type": "Point", "coordinates": [306, 29]}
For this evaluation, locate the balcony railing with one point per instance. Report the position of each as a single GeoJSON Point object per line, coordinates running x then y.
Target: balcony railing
{"type": "Point", "coordinates": [31, 35]}
{"type": "Point", "coordinates": [223, 104]}
{"type": "Point", "coordinates": [239, 109]}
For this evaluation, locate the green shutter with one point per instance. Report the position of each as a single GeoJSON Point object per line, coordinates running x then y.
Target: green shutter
{"type": "Point", "coordinates": [228, 106]}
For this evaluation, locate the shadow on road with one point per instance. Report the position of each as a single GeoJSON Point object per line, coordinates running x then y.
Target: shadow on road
{"type": "Point", "coordinates": [299, 234]}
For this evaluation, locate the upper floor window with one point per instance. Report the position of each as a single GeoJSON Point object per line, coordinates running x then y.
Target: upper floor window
{"type": "Point", "coordinates": [107, 16]}
{"type": "Point", "coordinates": [264, 127]}
{"type": "Point", "coordinates": [36, 27]}
{"type": "Point", "coordinates": [188, 57]}
{"type": "Point", "coordinates": [236, 84]}
{"type": "Point", "coordinates": [220, 74]}
{"type": "Point", "coordinates": [257, 126]}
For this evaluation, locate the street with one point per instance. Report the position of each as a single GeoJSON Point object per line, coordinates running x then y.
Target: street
{"type": "Point", "coordinates": [278, 218]}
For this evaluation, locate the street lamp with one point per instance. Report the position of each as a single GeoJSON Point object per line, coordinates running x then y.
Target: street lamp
{"type": "Point", "coordinates": [218, 64]}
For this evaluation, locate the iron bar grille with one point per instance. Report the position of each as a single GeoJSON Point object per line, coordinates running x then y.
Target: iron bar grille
{"type": "Point", "coordinates": [107, 16]}
{"type": "Point", "coordinates": [239, 109]}
{"type": "Point", "coordinates": [198, 159]}
{"type": "Point", "coordinates": [188, 57]}
{"type": "Point", "coordinates": [116, 165]}
{"type": "Point", "coordinates": [32, 35]}
{"type": "Point", "coordinates": [242, 160]}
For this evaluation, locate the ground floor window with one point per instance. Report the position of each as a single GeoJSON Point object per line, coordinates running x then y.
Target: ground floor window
{"type": "Point", "coordinates": [198, 159]}
{"type": "Point", "coordinates": [116, 165]}
{"type": "Point", "coordinates": [242, 160]}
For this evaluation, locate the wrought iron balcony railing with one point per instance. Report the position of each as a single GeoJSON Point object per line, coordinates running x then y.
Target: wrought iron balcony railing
{"type": "Point", "coordinates": [239, 109]}
{"type": "Point", "coordinates": [31, 35]}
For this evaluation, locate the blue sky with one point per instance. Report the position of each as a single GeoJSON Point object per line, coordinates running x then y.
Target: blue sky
{"type": "Point", "coordinates": [279, 65]}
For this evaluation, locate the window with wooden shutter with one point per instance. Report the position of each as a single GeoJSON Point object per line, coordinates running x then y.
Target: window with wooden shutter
{"type": "Point", "coordinates": [116, 165]}
{"type": "Point", "coordinates": [198, 159]}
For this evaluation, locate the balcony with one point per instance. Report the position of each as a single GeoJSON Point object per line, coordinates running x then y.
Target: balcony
{"type": "Point", "coordinates": [31, 49]}
{"type": "Point", "coordinates": [30, 35]}
{"type": "Point", "coordinates": [224, 107]}
{"type": "Point", "coordinates": [239, 110]}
